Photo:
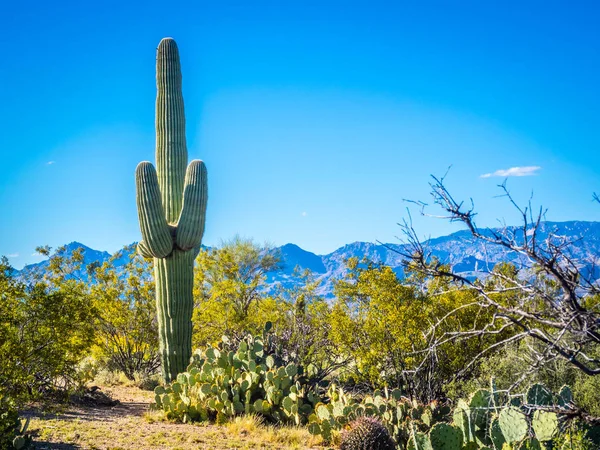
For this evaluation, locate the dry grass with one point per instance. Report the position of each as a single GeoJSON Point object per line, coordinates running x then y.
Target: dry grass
{"type": "Point", "coordinates": [131, 425]}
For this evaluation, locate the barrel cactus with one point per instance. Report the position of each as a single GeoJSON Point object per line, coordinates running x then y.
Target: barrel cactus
{"type": "Point", "coordinates": [367, 433]}
{"type": "Point", "coordinates": [171, 205]}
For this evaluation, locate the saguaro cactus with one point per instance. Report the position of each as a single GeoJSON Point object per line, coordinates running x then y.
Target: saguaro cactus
{"type": "Point", "coordinates": [171, 208]}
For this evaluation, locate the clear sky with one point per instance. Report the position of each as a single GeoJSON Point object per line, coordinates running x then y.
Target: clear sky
{"type": "Point", "coordinates": [315, 118]}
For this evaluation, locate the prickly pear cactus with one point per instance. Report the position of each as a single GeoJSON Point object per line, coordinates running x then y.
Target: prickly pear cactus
{"type": "Point", "coordinates": [496, 436]}
{"type": "Point", "coordinates": [513, 424]}
{"type": "Point", "coordinates": [419, 441]}
{"type": "Point", "coordinates": [519, 424]}
{"type": "Point", "coordinates": [565, 397]}
{"type": "Point", "coordinates": [463, 420]}
{"type": "Point", "coordinates": [539, 395]}
{"type": "Point", "coordinates": [221, 383]}
{"type": "Point", "coordinates": [545, 425]}
{"type": "Point", "coordinates": [445, 437]}
{"type": "Point", "coordinates": [12, 432]}
{"type": "Point", "coordinates": [401, 416]}
{"type": "Point", "coordinates": [367, 433]}
{"type": "Point", "coordinates": [171, 205]}
{"type": "Point", "coordinates": [481, 406]}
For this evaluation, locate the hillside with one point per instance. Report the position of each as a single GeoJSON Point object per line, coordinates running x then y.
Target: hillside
{"type": "Point", "coordinates": [458, 249]}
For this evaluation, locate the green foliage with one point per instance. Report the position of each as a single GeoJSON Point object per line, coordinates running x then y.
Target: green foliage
{"type": "Point", "coordinates": [383, 323]}
{"type": "Point", "coordinates": [229, 292]}
{"type": "Point", "coordinates": [367, 433]}
{"type": "Point", "coordinates": [577, 436]}
{"type": "Point", "coordinates": [126, 330]}
{"type": "Point", "coordinates": [12, 431]}
{"type": "Point", "coordinates": [375, 320]}
{"type": "Point", "coordinates": [46, 328]}
{"type": "Point", "coordinates": [585, 393]}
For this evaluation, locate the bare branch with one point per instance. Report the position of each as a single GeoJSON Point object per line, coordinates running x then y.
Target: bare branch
{"type": "Point", "coordinates": [546, 299]}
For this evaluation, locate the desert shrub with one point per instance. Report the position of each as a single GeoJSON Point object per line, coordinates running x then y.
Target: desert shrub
{"type": "Point", "coordinates": [119, 294]}
{"type": "Point", "coordinates": [585, 391]}
{"type": "Point", "coordinates": [577, 436]}
{"type": "Point", "coordinates": [304, 338]}
{"type": "Point", "coordinates": [305, 341]}
{"type": "Point", "coordinates": [230, 291]}
{"type": "Point", "coordinates": [12, 430]}
{"type": "Point", "coordinates": [382, 321]}
{"type": "Point", "coordinates": [126, 325]}
{"type": "Point", "coordinates": [149, 383]}
{"type": "Point", "coordinates": [45, 332]}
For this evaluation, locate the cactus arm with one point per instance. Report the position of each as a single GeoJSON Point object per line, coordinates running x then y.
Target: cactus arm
{"type": "Point", "coordinates": [190, 226]}
{"type": "Point", "coordinates": [156, 234]}
{"type": "Point", "coordinates": [171, 150]}
{"type": "Point", "coordinates": [143, 250]}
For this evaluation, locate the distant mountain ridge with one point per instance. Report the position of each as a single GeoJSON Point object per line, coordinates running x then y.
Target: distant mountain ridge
{"type": "Point", "coordinates": [89, 256]}
{"type": "Point", "coordinates": [458, 249]}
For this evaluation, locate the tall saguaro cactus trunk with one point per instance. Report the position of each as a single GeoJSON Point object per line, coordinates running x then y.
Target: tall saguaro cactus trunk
{"type": "Point", "coordinates": [172, 209]}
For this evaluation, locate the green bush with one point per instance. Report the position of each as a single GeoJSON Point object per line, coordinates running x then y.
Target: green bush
{"type": "Point", "coordinates": [383, 323]}
{"type": "Point", "coordinates": [12, 432]}
{"type": "Point", "coordinates": [46, 330]}
{"type": "Point", "coordinates": [585, 392]}
{"type": "Point", "coordinates": [126, 326]}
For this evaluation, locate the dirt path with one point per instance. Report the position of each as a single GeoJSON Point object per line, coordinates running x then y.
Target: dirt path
{"type": "Point", "coordinates": [131, 425]}
{"type": "Point", "coordinates": [131, 402]}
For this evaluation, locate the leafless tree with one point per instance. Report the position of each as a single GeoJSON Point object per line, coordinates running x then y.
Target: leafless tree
{"type": "Point", "coordinates": [554, 303]}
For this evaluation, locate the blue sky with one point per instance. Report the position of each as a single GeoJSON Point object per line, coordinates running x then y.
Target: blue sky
{"type": "Point", "coordinates": [315, 119]}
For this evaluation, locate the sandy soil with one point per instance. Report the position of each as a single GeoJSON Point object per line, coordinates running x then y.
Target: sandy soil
{"type": "Point", "coordinates": [132, 425]}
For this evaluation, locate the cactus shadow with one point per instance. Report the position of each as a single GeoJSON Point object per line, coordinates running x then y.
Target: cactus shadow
{"type": "Point", "coordinates": [44, 445]}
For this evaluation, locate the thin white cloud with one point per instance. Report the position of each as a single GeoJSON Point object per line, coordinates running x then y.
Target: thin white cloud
{"type": "Point", "coordinates": [303, 213]}
{"type": "Point", "coordinates": [525, 171]}
{"type": "Point", "coordinates": [13, 255]}
{"type": "Point", "coordinates": [49, 163]}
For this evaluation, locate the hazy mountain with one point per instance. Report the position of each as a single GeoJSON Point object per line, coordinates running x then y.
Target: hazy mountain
{"type": "Point", "coordinates": [458, 249]}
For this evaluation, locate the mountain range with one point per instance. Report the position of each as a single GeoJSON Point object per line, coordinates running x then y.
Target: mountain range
{"type": "Point", "coordinates": [466, 255]}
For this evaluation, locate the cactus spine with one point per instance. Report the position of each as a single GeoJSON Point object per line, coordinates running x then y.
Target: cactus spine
{"type": "Point", "coordinates": [172, 209]}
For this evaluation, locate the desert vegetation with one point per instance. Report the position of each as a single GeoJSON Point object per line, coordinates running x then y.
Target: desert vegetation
{"type": "Point", "coordinates": [419, 356]}
{"type": "Point", "coordinates": [186, 347]}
